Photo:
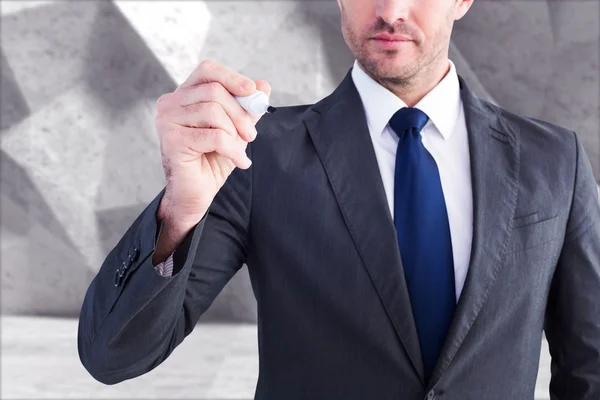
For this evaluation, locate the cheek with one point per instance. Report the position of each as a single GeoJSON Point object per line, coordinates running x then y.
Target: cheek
{"type": "Point", "coordinates": [434, 20]}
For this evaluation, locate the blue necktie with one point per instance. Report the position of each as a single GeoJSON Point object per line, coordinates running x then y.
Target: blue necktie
{"type": "Point", "coordinates": [421, 222]}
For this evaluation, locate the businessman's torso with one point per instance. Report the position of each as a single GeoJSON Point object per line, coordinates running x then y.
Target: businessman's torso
{"type": "Point", "coordinates": [332, 312]}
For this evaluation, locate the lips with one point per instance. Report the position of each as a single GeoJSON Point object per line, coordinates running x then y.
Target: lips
{"type": "Point", "coordinates": [391, 38]}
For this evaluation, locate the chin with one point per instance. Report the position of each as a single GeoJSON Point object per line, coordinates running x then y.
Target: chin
{"type": "Point", "coordinates": [392, 68]}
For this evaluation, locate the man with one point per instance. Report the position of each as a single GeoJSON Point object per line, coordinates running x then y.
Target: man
{"type": "Point", "coordinates": [404, 239]}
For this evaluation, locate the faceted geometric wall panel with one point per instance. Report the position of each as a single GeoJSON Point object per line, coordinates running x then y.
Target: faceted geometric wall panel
{"type": "Point", "coordinates": [80, 80]}
{"type": "Point", "coordinates": [540, 59]}
{"type": "Point", "coordinates": [83, 79]}
{"type": "Point", "coordinates": [13, 107]}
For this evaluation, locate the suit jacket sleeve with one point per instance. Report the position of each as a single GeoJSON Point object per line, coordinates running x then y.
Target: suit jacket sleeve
{"type": "Point", "coordinates": [573, 314]}
{"type": "Point", "coordinates": [130, 325]}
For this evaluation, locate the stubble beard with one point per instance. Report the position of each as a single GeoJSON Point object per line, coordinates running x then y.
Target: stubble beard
{"type": "Point", "coordinates": [401, 75]}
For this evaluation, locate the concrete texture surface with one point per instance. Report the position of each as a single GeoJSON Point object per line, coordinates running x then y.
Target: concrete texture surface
{"type": "Point", "coordinates": [80, 157]}
{"type": "Point", "coordinates": [540, 59]}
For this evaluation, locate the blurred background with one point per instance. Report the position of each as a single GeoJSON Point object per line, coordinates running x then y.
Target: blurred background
{"type": "Point", "coordinates": [80, 156]}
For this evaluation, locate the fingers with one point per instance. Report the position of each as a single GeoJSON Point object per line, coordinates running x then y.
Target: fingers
{"type": "Point", "coordinates": [213, 71]}
{"type": "Point", "coordinates": [205, 100]}
{"type": "Point", "coordinates": [206, 140]}
{"type": "Point", "coordinates": [210, 103]}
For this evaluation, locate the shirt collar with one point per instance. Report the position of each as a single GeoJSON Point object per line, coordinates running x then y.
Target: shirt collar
{"type": "Point", "coordinates": [441, 104]}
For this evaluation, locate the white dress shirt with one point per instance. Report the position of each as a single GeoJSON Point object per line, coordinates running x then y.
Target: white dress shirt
{"type": "Point", "coordinates": [444, 136]}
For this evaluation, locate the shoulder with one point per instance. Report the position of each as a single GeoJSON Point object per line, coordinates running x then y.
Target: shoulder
{"type": "Point", "coordinates": [536, 134]}
{"type": "Point", "coordinates": [548, 156]}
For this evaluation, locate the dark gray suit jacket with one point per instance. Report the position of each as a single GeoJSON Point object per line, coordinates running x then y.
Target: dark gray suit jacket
{"type": "Point", "coordinates": [310, 220]}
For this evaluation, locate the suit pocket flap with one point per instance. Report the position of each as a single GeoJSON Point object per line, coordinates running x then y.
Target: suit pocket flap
{"type": "Point", "coordinates": [525, 235]}
{"type": "Point", "coordinates": [526, 219]}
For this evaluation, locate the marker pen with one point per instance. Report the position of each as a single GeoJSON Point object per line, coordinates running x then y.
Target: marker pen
{"type": "Point", "coordinates": [257, 103]}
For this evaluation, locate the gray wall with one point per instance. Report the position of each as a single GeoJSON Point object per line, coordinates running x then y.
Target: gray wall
{"type": "Point", "coordinates": [80, 157]}
{"type": "Point", "coordinates": [540, 59]}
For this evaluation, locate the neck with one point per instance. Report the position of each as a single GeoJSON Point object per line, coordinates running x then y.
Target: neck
{"type": "Point", "coordinates": [413, 90]}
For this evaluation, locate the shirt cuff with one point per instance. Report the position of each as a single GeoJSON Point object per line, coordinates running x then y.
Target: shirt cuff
{"type": "Point", "coordinates": [165, 268]}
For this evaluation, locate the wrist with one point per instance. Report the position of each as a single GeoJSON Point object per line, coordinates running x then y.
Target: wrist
{"type": "Point", "coordinates": [178, 221]}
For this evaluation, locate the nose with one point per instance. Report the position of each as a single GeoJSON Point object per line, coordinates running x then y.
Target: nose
{"type": "Point", "coordinates": [393, 10]}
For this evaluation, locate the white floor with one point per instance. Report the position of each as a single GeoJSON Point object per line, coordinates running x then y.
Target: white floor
{"type": "Point", "coordinates": [40, 361]}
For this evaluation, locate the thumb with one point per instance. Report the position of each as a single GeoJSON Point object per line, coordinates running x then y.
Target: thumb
{"type": "Point", "coordinates": [263, 86]}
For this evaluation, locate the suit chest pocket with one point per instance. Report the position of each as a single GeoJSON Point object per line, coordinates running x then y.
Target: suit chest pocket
{"type": "Point", "coordinates": [529, 236]}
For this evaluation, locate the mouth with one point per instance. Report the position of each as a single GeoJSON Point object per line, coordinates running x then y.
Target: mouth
{"type": "Point", "coordinates": [390, 44]}
{"type": "Point", "coordinates": [391, 38]}
{"type": "Point", "coordinates": [389, 41]}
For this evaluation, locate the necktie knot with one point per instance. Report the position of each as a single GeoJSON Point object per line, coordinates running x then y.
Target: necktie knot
{"type": "Point", "coordinates": [408, 118]}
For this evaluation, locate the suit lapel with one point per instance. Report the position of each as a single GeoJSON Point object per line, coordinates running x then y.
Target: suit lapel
{"type": "Point", "coordinates": [494, 154]}
{"type": "Point", "coordinates": [338, 128]}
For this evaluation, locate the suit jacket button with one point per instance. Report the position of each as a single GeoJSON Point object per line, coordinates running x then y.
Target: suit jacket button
{"type": "Point", "coordinates": [117, 277]}
{"type": "Point", "coordinates": [135, 255]}
{"type": "Point", "coordinates": [431, 394]}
